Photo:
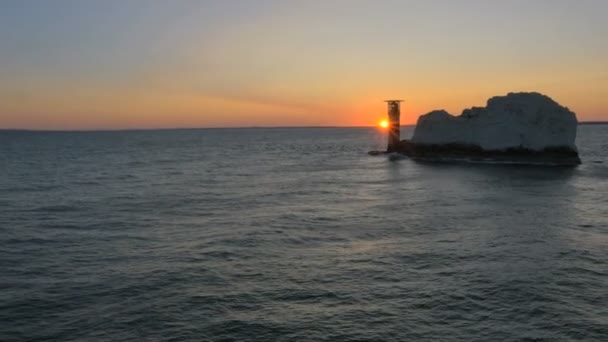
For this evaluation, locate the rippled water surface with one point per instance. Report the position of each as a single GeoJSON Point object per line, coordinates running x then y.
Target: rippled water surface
{"type": "Point", "coordinates": [294, 235]}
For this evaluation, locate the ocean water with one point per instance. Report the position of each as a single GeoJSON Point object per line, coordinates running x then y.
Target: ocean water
{"type": "Point", "coordinates": [294, 235]}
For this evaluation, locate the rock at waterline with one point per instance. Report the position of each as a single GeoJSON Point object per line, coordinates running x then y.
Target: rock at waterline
{"type": "Point", "coordinates": [527, 128]}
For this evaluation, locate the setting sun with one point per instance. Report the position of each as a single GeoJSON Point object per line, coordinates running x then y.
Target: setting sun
{"type": "Point", "coordinates": [383, 124]}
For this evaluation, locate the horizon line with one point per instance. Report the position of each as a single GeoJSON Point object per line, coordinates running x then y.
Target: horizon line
{"type": "Point", "coordinates": [593, 122]}
{"type": "Point", "coordinates": [174, 128]}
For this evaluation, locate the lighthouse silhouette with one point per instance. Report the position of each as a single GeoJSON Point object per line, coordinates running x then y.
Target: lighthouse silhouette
{"type": "Point", "coordinates": [394, 124]}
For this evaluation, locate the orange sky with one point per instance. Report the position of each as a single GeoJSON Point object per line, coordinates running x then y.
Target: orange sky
{"type": "Point", "coordinates": [160, 64]}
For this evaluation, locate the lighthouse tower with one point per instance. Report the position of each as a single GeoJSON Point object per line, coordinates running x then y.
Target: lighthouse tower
{"type": "Point", "coordinates": [394, 123]}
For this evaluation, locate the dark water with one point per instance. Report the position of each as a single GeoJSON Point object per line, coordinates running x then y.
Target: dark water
{"type": "Point", "coordinates": [294, 235]}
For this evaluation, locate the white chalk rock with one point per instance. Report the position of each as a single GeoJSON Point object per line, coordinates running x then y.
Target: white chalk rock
{"type": "Point", "coordinates": [518, 120]}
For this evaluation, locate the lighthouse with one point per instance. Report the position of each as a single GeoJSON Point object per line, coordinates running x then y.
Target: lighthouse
{"type": "Point", "coordinates": [394, 132]}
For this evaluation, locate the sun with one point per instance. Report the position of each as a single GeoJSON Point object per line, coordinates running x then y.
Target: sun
{"type": "Point", "coordinates": [383, 124]}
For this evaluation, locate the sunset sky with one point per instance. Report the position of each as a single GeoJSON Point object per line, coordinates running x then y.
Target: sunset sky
{"type": "Point", "coordinates": [91, 64]}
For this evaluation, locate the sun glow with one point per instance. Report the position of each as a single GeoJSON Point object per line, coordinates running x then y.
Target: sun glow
{"type": "Point", "coordinates": [383, 124]}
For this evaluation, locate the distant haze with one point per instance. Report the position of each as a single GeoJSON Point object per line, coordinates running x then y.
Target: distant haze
{"type": "Point", "coordinates": [150, 64]}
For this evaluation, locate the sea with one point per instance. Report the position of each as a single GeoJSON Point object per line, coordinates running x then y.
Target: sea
{"type": "Point", "coordinates": [294, 234]}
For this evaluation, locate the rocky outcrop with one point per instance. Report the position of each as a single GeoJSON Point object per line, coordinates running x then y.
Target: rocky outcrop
{"type": "Point", "coordinates": [519, 120]}
{"type": "Point", "coordinates": [518, 127]}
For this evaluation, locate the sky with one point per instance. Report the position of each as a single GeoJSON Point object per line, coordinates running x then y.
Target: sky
{"type": "Point", "coordinates": [119, 64]}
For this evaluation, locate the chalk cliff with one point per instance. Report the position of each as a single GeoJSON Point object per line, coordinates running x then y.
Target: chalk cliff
{"type": "Point", "coordinates": [529, 121]}
{"type": "Point", "coordinates": [519, 128]}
